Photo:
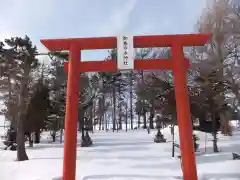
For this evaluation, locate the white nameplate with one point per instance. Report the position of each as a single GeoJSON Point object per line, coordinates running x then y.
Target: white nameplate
{"type": "Point", "coordinates": [125, 52]}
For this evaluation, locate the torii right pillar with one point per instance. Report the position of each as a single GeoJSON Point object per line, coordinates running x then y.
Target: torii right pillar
{"type": "Point", "coordinates": [183, 108]}
{"type": "Point", "coordinates": [183, 115]}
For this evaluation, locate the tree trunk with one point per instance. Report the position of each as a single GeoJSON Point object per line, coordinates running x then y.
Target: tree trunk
{"type": "Point", "coordinates": [117, 128]}
{"type": "Point", "coordinates": [61, 129]}
{"type": "Point", "coordinates": [54, 136]}
{"type": "Point", "coordinates": [120, 117]}
{"type": "Point", "coordinates": [37, 137]}
{"type": "Point", "coordinates": [144, 121]}
{"type": "Point", "coordinates": [173, 139]}
{"type": "Point", "coordinates": [114, 109]}
{"type": "Point", "coordinates": [131, 99]}
{"type": "Point", "coordinates": [90, 121]}
{"type": "Point", "coordinates": [30, 140]}
{"type": "Point", "coordinates": [82, 134]}
{"type": "Point", "coordinates": [61, 135]}
{"type": "Point", "coordinates": [214, 133]}
{"type": "Point", "coordinates": [100, 123]}
{"type": "Point", "coordinates": [80, 118]}
{"type": "Point", "coordinates": [103, 121]}
{"type": "Point", "coordinates": [94, 115]}
{"type": "Point", "coordinates": [151, 126]}
{"type": "Point", "coordinates": [101, 112]}
{"type": "Point", "coordinates": [120, 123]}
{"type": "Point", "coordinates": [144, 115]}
{"type": "Point", "coordinates": [139, 121]}
{"type": "Point", "coordinates": [215, 147]}
{"type": "Point", "coordinates": [21, 150]}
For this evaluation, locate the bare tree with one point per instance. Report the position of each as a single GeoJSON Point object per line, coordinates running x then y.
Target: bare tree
{"type": "Point", "coordinates": [216, 61]}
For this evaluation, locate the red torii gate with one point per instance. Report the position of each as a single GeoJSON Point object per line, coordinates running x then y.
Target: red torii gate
{"type": "Point", "coordinates": [178, 64]}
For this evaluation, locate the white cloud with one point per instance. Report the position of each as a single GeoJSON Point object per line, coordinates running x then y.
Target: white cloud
{"type": "Point", "coordinates": [18, 17]}
{"type": "Point", "coordinates": [86, 18]}
{"type": "Point", "coordinates": [119, 20]}
{"type": "Point", "coordinates": [21, 17]}
{"type": "Point", "coordinates": [4, 35]}
{"type": "Point", "coordinates": [26, 11]}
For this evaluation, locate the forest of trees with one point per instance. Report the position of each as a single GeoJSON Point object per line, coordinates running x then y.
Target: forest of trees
{"type": "Point", "coordinates": [34, 93]}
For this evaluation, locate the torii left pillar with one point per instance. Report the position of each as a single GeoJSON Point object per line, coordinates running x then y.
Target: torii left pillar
{"type": "Point", "coordinates": [177, 64]}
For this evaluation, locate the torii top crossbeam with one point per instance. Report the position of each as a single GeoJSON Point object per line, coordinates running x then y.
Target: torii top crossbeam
{"type": "Point", "coordinates": [138, 41]}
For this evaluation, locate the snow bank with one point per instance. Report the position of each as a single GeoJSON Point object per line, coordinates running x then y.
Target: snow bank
{"type": "Point", "coordinates": [125, 156]}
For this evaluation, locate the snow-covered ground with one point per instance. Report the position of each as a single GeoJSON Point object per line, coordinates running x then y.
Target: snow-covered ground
{"type": "Point", "coordinates": [124, 156]}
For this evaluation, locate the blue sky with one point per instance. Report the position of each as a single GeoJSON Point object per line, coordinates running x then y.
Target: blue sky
{"type": "Point", "coordinates": [43, 19]}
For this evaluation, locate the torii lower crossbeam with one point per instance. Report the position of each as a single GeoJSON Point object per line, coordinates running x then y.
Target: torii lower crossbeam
{"type": "Point", "coordinates": [178, 64]}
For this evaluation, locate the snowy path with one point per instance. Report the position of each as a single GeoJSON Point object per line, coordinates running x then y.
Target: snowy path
{"type": "Point", "coordinates": [122, 156]}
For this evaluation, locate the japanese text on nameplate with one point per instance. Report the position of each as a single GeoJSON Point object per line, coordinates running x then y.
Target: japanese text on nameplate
{"type": "Point", "coordinates": [125, 52]}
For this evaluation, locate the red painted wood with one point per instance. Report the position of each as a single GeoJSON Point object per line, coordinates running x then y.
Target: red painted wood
{"type": "Point", "coordinates": [168, 40]}
{"type": "Point", "coordinates": [177, 64]}
{"type": "Point", "coordinates": [71, 117]}
{"type": "Point", "coordinates": [156, 64]}
{"type": "Point", "coordinates": [139, 64]}
{"type": "Point", "coordinates": [95, 66]}
{"type": "Point", "coordinates": [139, 42]}
{"type": "Point", "coordinates": [183, 113]}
